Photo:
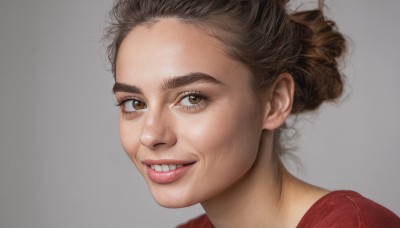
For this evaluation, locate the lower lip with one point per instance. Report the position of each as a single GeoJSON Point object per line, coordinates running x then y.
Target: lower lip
{"type": "Point", "coordinates": [167, 177]}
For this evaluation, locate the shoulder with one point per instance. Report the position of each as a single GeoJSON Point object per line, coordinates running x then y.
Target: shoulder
{"type": "Point", "coordinates": [199, 222]}
{"type": "Point", "coordinates": [348, 209]}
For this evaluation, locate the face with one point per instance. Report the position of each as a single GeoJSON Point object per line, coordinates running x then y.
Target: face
{"type": "Point", "coordinates": [189, 119]}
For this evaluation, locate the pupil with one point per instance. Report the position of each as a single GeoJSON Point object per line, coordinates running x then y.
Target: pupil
{"type": "Point", "coordinates": [138, 105]}
{"type": "Point", "coordinates": [194, 99]}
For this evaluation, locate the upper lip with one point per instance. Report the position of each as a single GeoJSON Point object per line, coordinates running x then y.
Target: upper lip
{"type": "Point", "coordinates": [167, 162]}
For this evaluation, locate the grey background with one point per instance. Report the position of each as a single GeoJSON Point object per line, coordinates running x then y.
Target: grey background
{"type": "Point", "coordinates": [61, 164]}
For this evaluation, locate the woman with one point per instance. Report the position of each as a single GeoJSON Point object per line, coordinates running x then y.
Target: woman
{"type": "Point", "coordinates": [205, 88]}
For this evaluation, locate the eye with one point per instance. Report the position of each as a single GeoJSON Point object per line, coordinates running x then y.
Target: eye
{"type": "Point", "coordinates": [133, 105]}
{"type": "Point", "coordinates": [192, 100]}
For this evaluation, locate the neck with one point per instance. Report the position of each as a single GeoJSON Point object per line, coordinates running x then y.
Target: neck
{"type": "Point", "coordinates": [266, 196]}
{"type": "Point", "coordinates": [255, 199]}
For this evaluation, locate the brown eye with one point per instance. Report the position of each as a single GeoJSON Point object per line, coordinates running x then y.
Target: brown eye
{"type": "Point", "coordinates": [134, 105]}
{"type": "Point", "coordinates": [191, 100]}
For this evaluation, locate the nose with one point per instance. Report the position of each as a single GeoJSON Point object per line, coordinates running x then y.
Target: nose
{"type": "Point", "coordinates": [156, 132]}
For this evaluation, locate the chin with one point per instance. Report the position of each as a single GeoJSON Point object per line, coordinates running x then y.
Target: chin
{"type": "Point", "coordinates": [172, 199]}
{"type": "Point", "coordinates": [171, 203]}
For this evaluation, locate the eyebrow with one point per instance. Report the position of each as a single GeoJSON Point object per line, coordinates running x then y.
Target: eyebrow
{"type": "Point", "coordinates": [170, 83]}
{"type": "Point", "coordinates": [121, 87]}
{"type": "Point", "coordinates": [187, 79]}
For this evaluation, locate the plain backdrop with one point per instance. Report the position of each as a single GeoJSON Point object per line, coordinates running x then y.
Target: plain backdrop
{"type": "Point", "coordinates": [61, 164]}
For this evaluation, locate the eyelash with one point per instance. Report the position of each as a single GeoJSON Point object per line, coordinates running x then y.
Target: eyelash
{"type": "Point", "coordinates": [198, 94]}
{"type": "Point", "coordinates": [181, 96]}
{"type": "Point", "coordinates": [121, 102]}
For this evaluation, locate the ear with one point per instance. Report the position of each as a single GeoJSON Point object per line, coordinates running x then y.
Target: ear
{"type": "Point", "coordinates": [279, 102]}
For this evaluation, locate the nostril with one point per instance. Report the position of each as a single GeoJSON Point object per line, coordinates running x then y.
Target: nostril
{"type": "Point", "coordinates": [158, 145]}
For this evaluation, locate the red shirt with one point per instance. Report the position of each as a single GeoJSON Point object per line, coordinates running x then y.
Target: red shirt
{"type": "Point", "coordinates": [336, 209]}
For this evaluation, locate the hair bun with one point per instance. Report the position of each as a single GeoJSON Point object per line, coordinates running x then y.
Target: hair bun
{"type": "Point", "coordinates": [318, 78]}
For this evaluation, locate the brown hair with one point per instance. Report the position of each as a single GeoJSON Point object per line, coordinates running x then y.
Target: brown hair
{"type": "Point", "coordinates": [259, 33]}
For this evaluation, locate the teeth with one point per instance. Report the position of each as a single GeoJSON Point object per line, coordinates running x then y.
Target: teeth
{"type": "Point", "coordinates": [157, 168]}
{"type": "Point", "coordinates": [165, 168]}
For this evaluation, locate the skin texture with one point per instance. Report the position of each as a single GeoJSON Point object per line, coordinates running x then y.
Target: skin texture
{"type": "Point", "coordinates": [227, 133]}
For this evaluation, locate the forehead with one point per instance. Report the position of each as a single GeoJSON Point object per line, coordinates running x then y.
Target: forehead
{"type": "Point", "coordinates": [169, 48]}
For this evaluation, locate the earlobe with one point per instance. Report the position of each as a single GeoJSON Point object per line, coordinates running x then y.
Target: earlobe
{"type": "Point", "coordinates": [279, 102]}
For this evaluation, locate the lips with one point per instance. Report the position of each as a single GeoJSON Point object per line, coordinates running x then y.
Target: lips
{"type": "Point", "coordinates": [166, 172]}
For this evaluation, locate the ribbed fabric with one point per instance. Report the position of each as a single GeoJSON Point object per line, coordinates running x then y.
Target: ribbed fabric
{"type": "Point", "coordinates": [199, 222]}
{"type": "Point", "coordinates": [337, 209]}
{"type": "Point", "coordinates": [348, 209]}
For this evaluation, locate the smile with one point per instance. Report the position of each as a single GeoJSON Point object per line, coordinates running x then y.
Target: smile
{"type": "Point", "coordinates": [166, 172]}
{"type": "Point", "coordinates": [165, 168]}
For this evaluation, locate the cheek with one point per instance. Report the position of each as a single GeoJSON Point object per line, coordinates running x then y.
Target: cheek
{"type": "Point", "coordinates": [233, 142]}
{"type": "Point", "coordinates": [231, 131]}
{"type": "Point", "coordinates": [129, 136]}
{"type": "Point", "coordinates": [227, 144]}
